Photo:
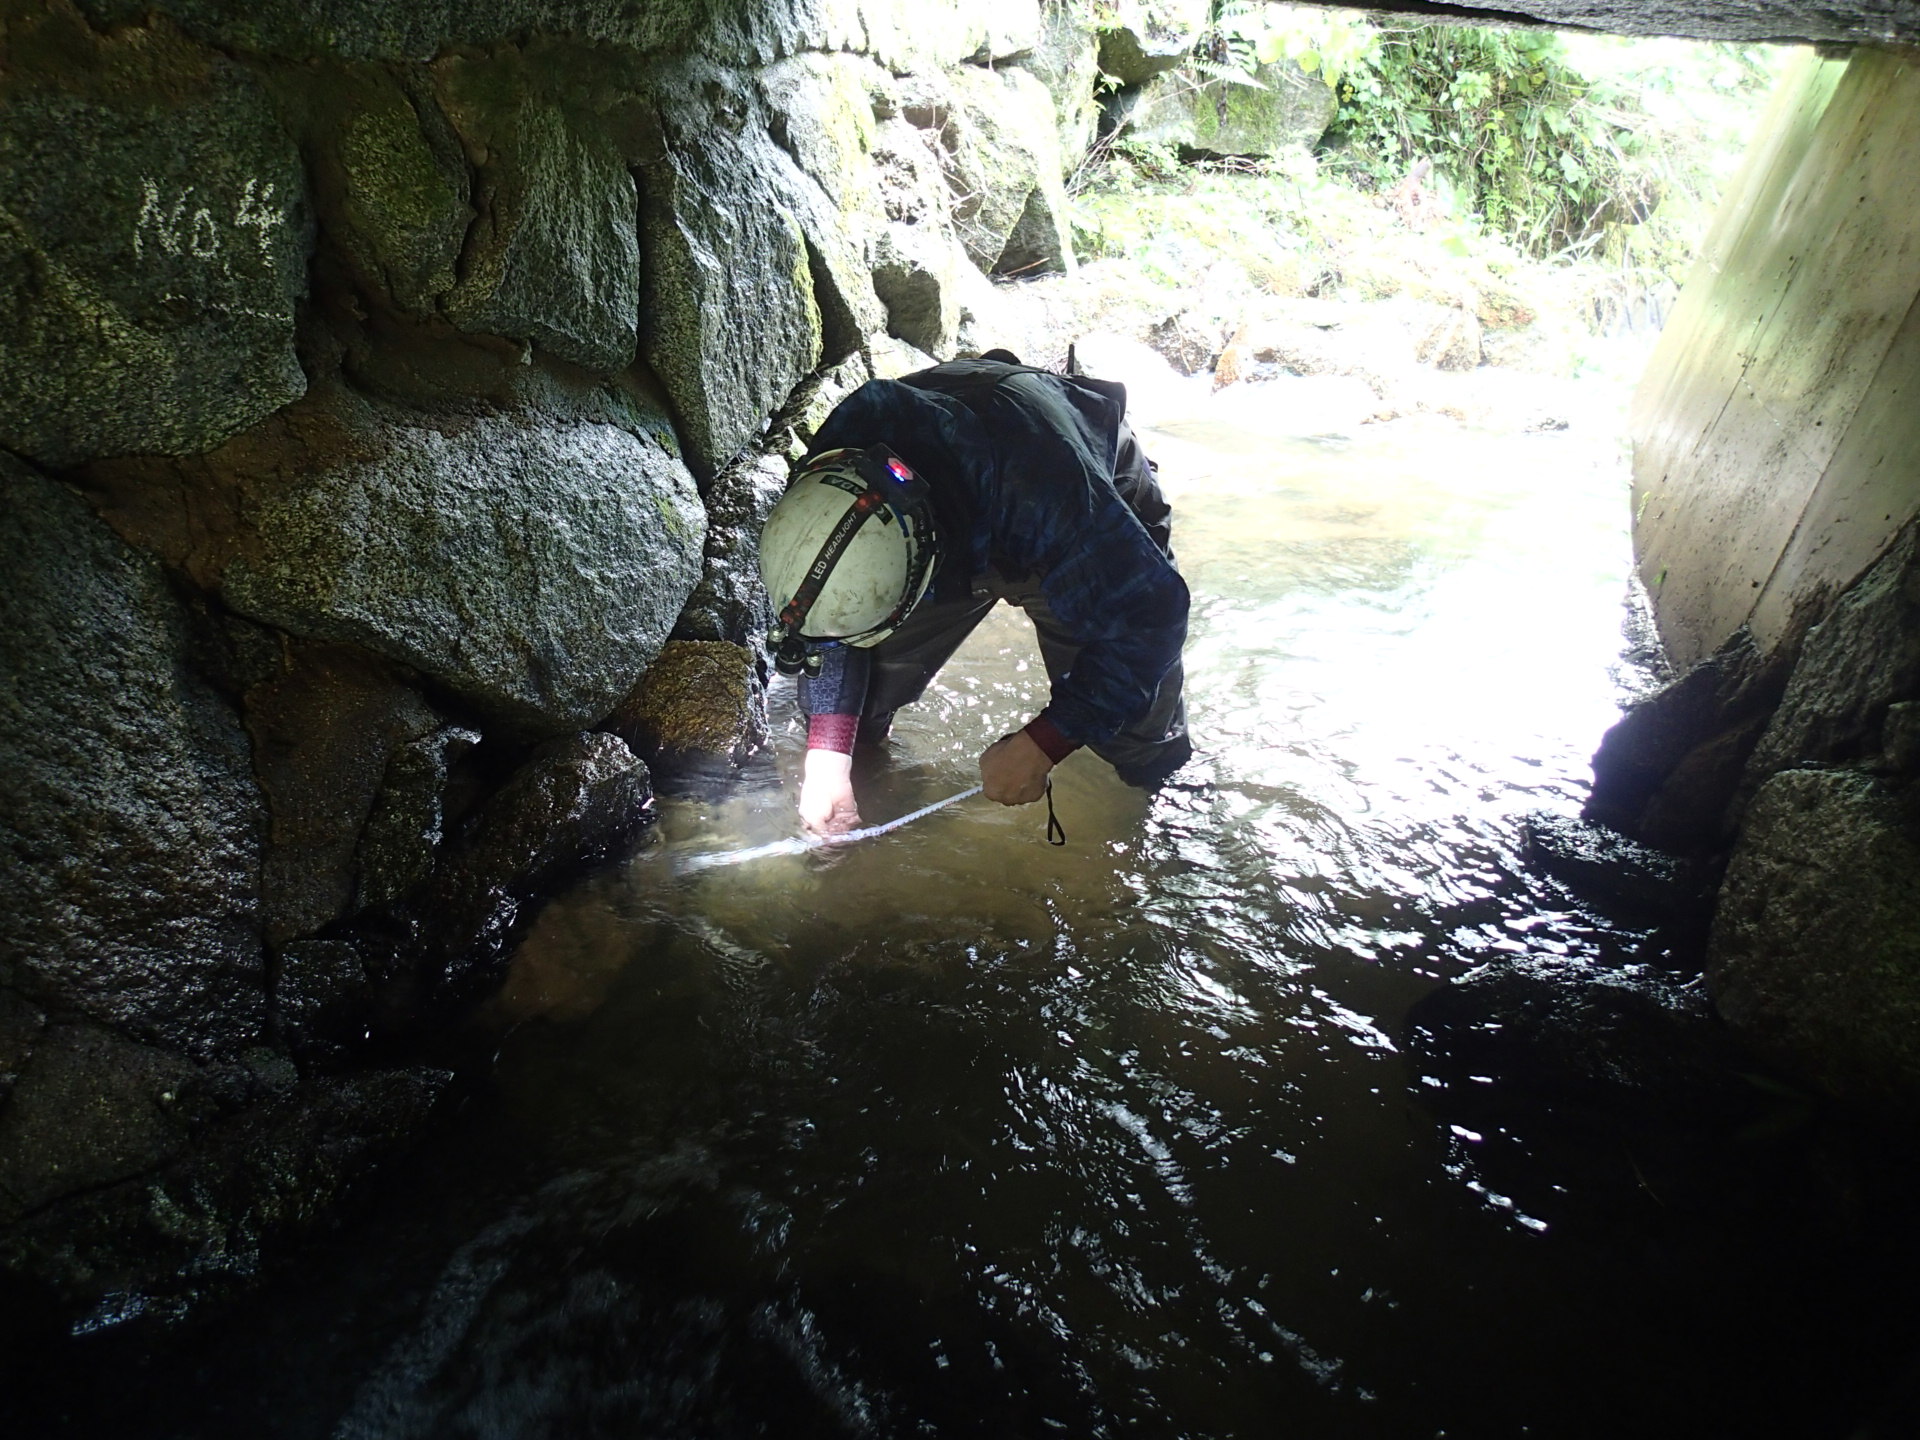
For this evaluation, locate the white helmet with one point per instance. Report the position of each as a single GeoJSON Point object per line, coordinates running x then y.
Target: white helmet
{"type": "Point", "coordinates": [846, 554]}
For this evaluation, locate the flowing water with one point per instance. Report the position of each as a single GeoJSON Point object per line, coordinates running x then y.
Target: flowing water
{"type": "Point", "coordinates": [954, 1132]}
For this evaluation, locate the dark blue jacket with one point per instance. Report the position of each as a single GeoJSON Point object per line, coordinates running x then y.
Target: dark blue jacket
{"type": "Point", "coordinates": [1022, 465]}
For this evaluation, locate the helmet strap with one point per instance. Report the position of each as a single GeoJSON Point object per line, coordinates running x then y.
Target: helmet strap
{"type": "Point", "coordinates": [790, 647]}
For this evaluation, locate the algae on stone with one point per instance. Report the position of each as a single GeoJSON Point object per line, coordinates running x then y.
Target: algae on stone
{"type": "Point", "coordinates": [406, 209]}
{"type": "Point", "coordinates": [732, 323]}
{"type": "Point", "coordinates": [1144, 38]}
{"type": "Point", "coordinates": [1001, 156]}
{"type": "Point", "coordinates": [700, 698]}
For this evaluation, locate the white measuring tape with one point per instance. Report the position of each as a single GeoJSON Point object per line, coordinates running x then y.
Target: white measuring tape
{"type": "Point", "coordinates": [800, 844]}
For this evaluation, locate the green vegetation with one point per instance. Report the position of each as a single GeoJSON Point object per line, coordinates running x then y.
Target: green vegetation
{"type": "Point", "coordinates": [1458, 158]}
{"type": "Point", "coordinates": [1562, 144]}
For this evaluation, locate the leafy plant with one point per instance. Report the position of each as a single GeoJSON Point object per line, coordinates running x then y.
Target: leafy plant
{"type": "Point", "coordinates": [1554, 151]}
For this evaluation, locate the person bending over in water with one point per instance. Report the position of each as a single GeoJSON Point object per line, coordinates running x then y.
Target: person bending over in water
{"type": "Point", "coordinates": [929, 499]}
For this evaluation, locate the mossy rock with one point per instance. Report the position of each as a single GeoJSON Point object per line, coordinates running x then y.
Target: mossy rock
{"type": "Point", "coordinates": [701, 698]}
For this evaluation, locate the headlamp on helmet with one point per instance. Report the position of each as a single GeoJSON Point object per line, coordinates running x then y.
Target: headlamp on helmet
{"type": "Point", "coordinates": [846, 554]}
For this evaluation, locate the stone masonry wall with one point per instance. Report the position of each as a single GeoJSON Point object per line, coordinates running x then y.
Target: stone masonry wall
{"type": "Point", "coordinates": [384, 390]}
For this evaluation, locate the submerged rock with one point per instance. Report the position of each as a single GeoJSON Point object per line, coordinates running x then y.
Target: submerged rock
{"type": "Point", "coordinates": [153, 238]}
{"type": "Point", "coordinates": [1815, 952]}
{"type": "Point", "coordinates": [1607, 868]}
{"type": "Point", "coordinates": [1549, 1030]}
{"type": "Point", "coordinates": [271, 1157]}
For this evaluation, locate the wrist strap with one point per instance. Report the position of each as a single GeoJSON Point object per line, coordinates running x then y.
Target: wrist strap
{"type": "Point", "coordinates": [832, 732]}
{"type": "Point", "coordinates": [1044, 733]}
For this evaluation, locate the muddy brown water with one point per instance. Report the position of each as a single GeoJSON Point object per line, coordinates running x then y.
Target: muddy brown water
{"type": "Point", "coordinates": [956, 1133]}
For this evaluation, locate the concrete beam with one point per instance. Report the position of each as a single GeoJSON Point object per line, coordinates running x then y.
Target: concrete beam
{"type": "Point", "coordinates": [1776, 439]}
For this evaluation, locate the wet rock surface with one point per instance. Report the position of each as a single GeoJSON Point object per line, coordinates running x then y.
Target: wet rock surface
{"type": "Point", "coordinates": [409, 819]}
{"type": "Point", "coordinates": [729, 603]}
{"type": "Point", "coordinates": [575, 799]}
{"type": "Point", "coordinates": [1814, 946]}
{"type": "Point", "coordinates": [702, 702]}
{"type": "Point", "coordinates": [21, 1026]}
{"type": "Point", "coordinates": [917, 257]}
{"type": "Point", "coordinates": [1816, 927]}
{"type": "Point", "coordinates": [393, 171]}
{"type": "Point", "coordinates": [272, 1158]}
{"type": "Point", "coordinates": [530, 570]}
{"type": "Point", "coordinates": [323, 732]}
{"type": "Point", "coordinates": [89, 1109]}
{"type": "Point", "coordinates": [1667, 772]}
{"type": "Point", "coordinates": [395, 440]}
{"type": "Point", "coordinates": [130, 820]}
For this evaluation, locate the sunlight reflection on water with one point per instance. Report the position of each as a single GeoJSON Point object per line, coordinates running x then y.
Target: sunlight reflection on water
{"type": "Point", "coordinates": [1129, 1118]}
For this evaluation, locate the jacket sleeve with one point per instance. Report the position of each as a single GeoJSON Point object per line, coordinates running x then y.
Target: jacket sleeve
{"type": "Point", "coordinates": [1115, 591]}
{"type": "Point", "coordinates": [841, 686]}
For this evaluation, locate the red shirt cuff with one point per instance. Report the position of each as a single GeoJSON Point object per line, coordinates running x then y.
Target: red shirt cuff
{"type": "Point", "coordinates": [1044, 733]}
{"type": "Point", "coordinates": [832, 732]}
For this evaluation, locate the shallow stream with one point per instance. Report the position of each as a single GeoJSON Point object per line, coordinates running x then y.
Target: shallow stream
{"type": "Point", "coordinates": [957, 1133]}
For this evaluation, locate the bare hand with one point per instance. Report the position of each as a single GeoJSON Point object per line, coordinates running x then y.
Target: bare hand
{"type": "Point", "coordinates": [1013, 770]}
{"type": "Point", "coordinates": [826, 794]}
